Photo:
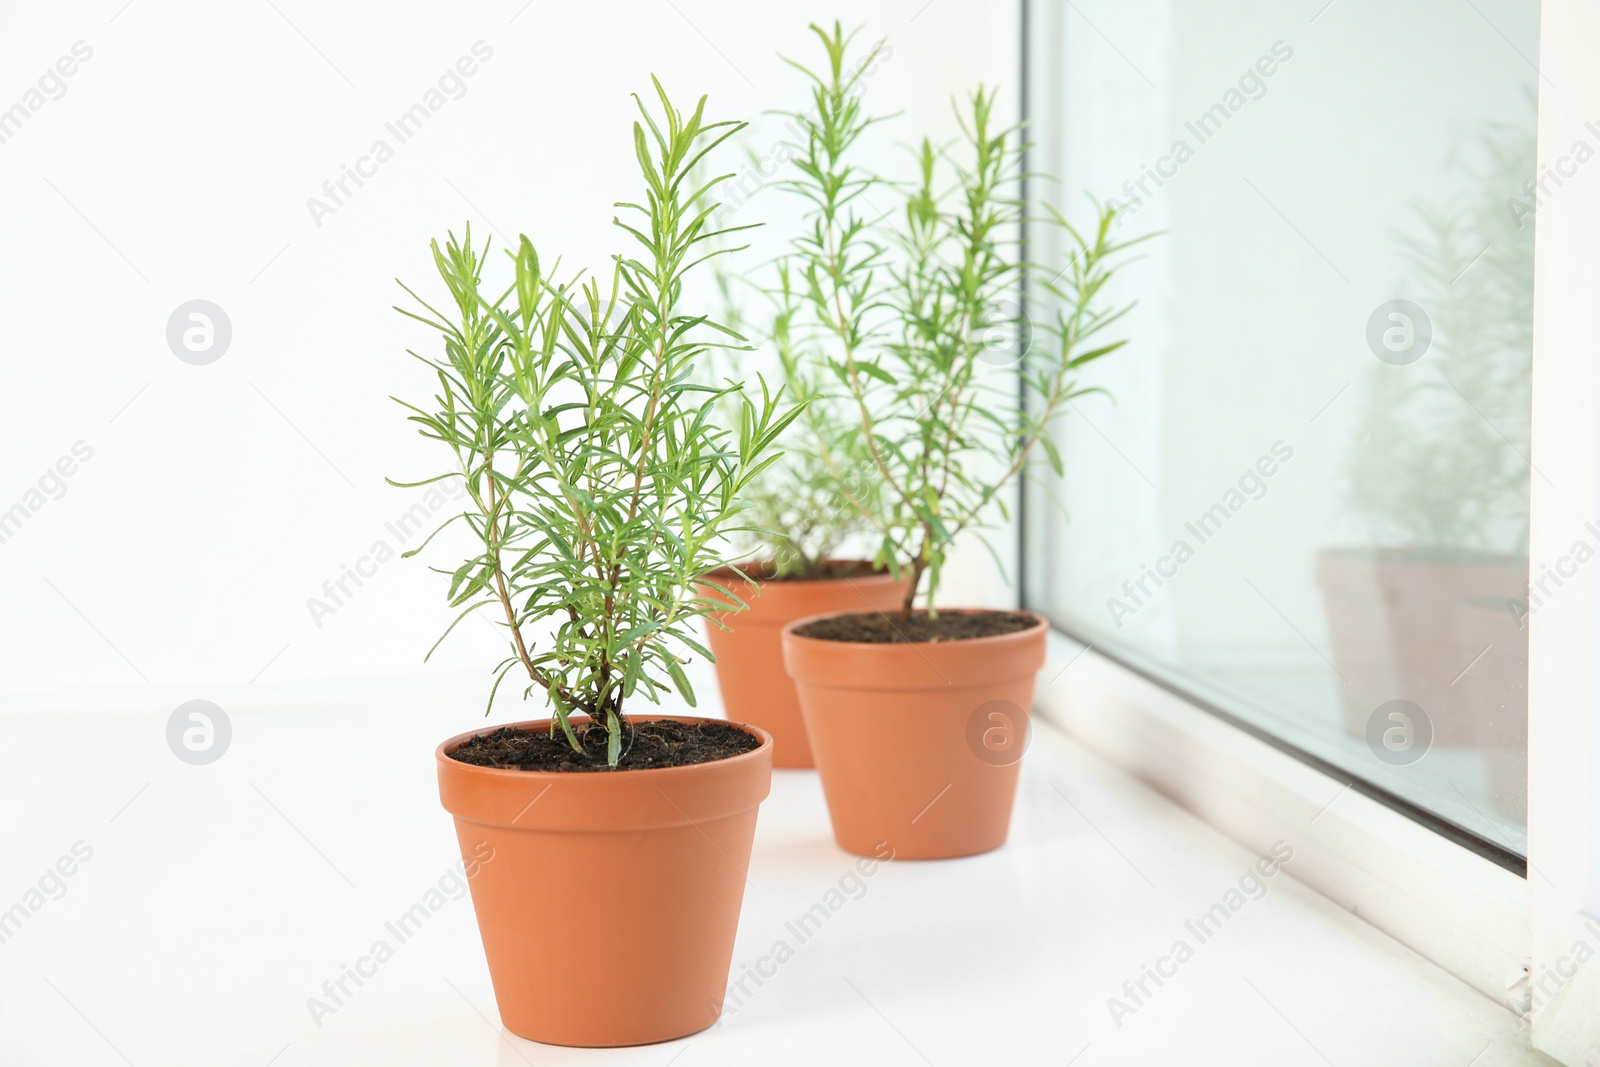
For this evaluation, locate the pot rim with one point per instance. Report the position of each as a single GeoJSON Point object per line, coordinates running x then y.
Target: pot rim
{"type": "Point", "coordinates": [442, 752]}
{"type": "Point", "coordinates": [1039, 622]}
{"type": "Point", "coordinates": [877, 577]}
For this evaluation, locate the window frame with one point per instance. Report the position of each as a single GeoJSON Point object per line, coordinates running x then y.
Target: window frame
{"type": "Point", "coordinates": [1437, 889]}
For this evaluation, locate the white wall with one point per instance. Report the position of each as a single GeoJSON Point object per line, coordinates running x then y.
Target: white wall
{"type": "Point", "coordinates": [176, 162]}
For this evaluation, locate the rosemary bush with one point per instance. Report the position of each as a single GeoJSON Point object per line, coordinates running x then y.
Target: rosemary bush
{"type": "Point", "coordinates": [801, 510]}
{"type": "Point", "coordinates": [890, 319]}
{"type": "Point", "coordinates": [600, 481]}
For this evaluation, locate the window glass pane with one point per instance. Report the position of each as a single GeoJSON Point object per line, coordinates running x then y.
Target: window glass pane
{"type": "Point", "coordinates": [1308, 505]}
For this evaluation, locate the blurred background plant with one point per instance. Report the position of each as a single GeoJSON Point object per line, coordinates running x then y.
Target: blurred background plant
{"type": "Point", "coordinates": [801, 518]}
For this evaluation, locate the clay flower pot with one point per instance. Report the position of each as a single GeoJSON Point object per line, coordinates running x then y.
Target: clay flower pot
{"type": "Point", "coordinates": [918, 745]}
{"type": "Point", "coordinates": [755, 688]}
{"type": "Point", "coordinates": [608, 913]}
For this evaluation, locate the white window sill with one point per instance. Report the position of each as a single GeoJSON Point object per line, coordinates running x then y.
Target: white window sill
{"type": "Point", "coordinates": [205, 920]}
{"type": "Point", "coordinates": [1457, 909]}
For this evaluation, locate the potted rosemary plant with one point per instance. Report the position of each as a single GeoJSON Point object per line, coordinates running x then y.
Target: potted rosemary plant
{"type": "Point", "coordinates": [600, 486]}
{"type": "Point", "coordinates": [801, 519]}
{"type": "Point", "coordinates": [917, 718]}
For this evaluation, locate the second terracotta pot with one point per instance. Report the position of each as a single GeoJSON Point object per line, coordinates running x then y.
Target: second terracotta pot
{"type": "Point", "coordinates": [755, 687]}
{"type": "Point", "coordinates": [918, 745]}
{"type": "Point", "coordinates": [609, 900]}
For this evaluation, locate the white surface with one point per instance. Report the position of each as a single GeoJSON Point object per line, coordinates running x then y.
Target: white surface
{"type": "Point", "coordinates": [207, 916]}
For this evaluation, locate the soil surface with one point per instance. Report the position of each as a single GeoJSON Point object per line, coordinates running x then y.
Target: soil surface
{"type": "Point", "coordinates": [656, 743]}
{"type": "Point", "coordinates": [833, 570]}
{"type": "Point", "coordinates": [875, 628]}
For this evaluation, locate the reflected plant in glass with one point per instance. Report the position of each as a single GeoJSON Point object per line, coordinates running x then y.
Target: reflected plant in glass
{"type": "Point", "coordinates": [1441, 459]}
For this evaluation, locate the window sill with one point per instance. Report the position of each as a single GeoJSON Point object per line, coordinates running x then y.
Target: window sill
{"type": "Point", "coordinates": [1463, 912]}
{"type": "Point", "coordinates": [1017, 953]}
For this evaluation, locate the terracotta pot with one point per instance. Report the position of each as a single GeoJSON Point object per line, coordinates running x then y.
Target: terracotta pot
{"type": "Point", "coordinates": [609, 908]}
{"type": "Point", "coordinates": [918, 745]}
{"type": "Point", "coordinates": [755, 688]}
{"type": "Point", "coordinates": [1396, 620]}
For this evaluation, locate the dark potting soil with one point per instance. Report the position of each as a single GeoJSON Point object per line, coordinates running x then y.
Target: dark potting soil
{"type": "Point", "coordinates": [832, 570]}
{"type": "Point", "coordinates": [656, 743]}
{"type": "Point", "coordinates": [876, 628]}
